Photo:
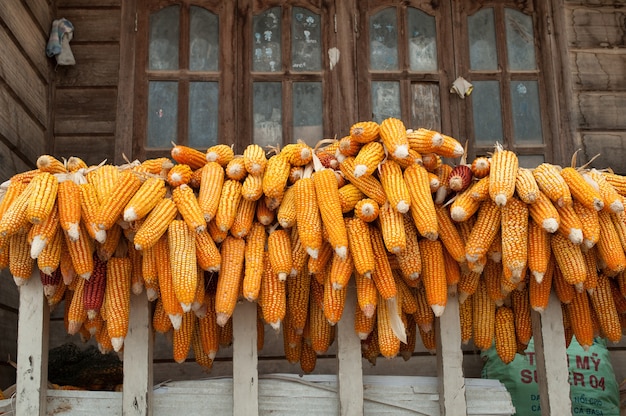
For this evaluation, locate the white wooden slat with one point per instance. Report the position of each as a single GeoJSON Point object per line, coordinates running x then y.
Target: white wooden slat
{"type": "Point", "coordinates": [138, 350]}
{"type": "Point", "coordinates": [32, 354]}
{"type": "Point", "coordinates": [349, 360]}
{"type": "Point", "coordinates": [552, 365]}
{"type": "Point", "coordinates": [450, 361]}
{"type": "Point", "coordinates": [245, 360]}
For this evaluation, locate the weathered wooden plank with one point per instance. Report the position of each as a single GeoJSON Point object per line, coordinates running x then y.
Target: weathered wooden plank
{"type": "Point", "coordinates": [27, 32]}
{"type": "Point", "coordinates": [245, 370]}
{"type": "Point", "coordinates": [595, 27]}
{"type": "Point", "coordinates": [85, 111]}
{"type": "Point", "coordinates": [10, 164]}
{"type": "Point", "coordinates": [552, 364]}
{"type": "Point", "coordinates": [96, 65]}
{"type": "Point", "coordinates": [61, 4]}
{"type": "Point", "coordinates": [137, 398]}
{"type": "Point", "coordinates": [126, 81]}
{"type": "Point", "coordinates": [83, 403]}
{"type": "Point", "coordinates": [450, 361]}
{"type": "Point", "coordinates": [92, 149]}
{"type": "Point", "coordinates": [22, 78]}
{"type": "Point", "coordinates": [610, 145]}
{"type": "Point", "coordinates": [19, 127]}
{"type": "Point", "coordinates": [350, 375]}
{"type": "Point", "coordinates": [32, 355]}
{"type": "Point", "coordinates": [602, 110]}
{"type": "Point", "coordinates": [42, 10]}
{"type": "Point", "coordinates": [94, 25]}
{"type": "Point", "coordinates": [598, 69]}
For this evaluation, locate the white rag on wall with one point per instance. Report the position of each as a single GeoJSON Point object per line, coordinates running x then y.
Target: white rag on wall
{"type": "Point", "coordinates": [58, 45]}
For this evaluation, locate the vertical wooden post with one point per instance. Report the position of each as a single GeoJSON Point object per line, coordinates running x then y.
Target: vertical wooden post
{"type": "Point", "coordinates": [32, 352]}
{"type": "Point", "coordinates": [245, 363]}
{"type": "Point", "coordinates": [450, 361]}
{"type": "Point", "coordinates": [552, 364]}
{"type": "Point", "coordinates": [349, 356]}
{"type": "Point", "coordinates": [137, 397]}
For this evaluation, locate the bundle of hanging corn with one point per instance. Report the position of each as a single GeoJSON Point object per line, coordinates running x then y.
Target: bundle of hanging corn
{"type": "Point", "coordinates": [378, 209]}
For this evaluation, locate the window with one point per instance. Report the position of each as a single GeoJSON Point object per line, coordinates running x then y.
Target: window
{"type": "Point", "coordinates": [273, 72]}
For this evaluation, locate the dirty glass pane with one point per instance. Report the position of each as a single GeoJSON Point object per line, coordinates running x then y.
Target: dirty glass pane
{"type": "Point", "coordinates": [162, 113]}
{"type": "Point", "coordinates": [482, 40]}
{"type": "Point", "coordinates": [487, 112]}
{"type": "Point", "coordinates": [385, 100]}
{"type": "Point", "coordinates": [306, 41]}
{"type": "Point", "coordinates": [163, 52]}
{"type": "Point", "coordinates": [266, 40]}
{"type": "Point", "coordinates": [203, 113]}
{"type": "Point", "coordinates": [425, 106]}
{"type": "Point", "coordinates": [267, 110]}
{"type": "Point", "coordinates": [526, 112]}
{"type": "Point", "coordinates": [384, 40]}
{"type": "Point", "coordinates": [422, 41]}
{"type": "Point", "coordinates": [307, 112]}
{"type": "Point", "coordinates": [203, 40]}
{"type": "Point", "coordinates": [520, 40]}
{"type": "Point", "coordinates": [530, 161]}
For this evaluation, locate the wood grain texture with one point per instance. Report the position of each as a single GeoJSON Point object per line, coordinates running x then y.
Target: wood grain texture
{"type": "Point", "coordinates": [92, 149]}
{"type": "Point", "coordinates": [94, 25]}
{"type": "Point", "coordinates": [85, 111]}
{"type": "Point", "coordinates": [42, 10]}
{"type": "Point", "coordinates": [87, 3]}
{"type": "Point", "coordinates": [595, 26]}
{"type": "Point", "coordinates": [609, 145]}
{"type": "Point", "coordinates": [598, 69]}
{"type": "Point", "coordinates": [96, 65]}
{"type": "Point", "coordinates": [601, 110]}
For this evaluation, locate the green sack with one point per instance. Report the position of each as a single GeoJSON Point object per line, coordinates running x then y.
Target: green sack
{"type": "Point", "coordinates": [593, 387]}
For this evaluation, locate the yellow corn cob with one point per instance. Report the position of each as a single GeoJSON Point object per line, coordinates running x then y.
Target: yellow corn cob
{"type": "Point", "coordinates": [370, 348]}
{"type": "Point", "coordinates": [408, 300]}
{"type": "Point", "coordinates": [172, 306]}
{"type": "Point", "coordinates": [347, 147]}
{"type": "Point", "coordinates": [117, 298]}
{"type": "Point", "coordinates": [422, 206]}
{"type": "Point", "coordinates": [286, 214]}
{"type": "Point", "coordinates": [581, 190]}
{"type": "Point", "coordinates": [279, 249]}
{"type": "Point", "coordinates": [276, 176]}
{"type": "Point", "coordinates": [506, 345]}
{"type": "Point", "coordinates": [81, 253]}
{"type": "Point", "coordinates": [481, 166]}
{"type": "Point", "coordinates": [410, 260]}
{"type": "Point", "coordinates": [433, 181]}
{"type": "Point", "coordinates": [104, 178]}
{"type": "Point", "coordinates": [334, 295]}
{"type": "Point", "coordinates": [155, 224]}
{"type": "Point", "coordinates": [330, 209]}
{"type": "Point", "coordinates": [89, 206]}
{"type": "Point", "coordinates": [364, 131]}
{"type": "Point", "coordinates": [137, 282]}
{"type": "Point", "coordinates": [264, 214]}
{"type": "Point", "coordinates": [308, 216]}
{"type": "Point", "coordinates": [423, 316]}
{"type": "Point", "coordinates": [149, 273]}
{"type": "Point", "coordinates": [552, 184]}
{"type": "Point", "coordinates": [299, 256]}
{"type": "Point", "coordinates": [538, 250]}
{"type": "Point", "coordinates": [369, 185]}
{"type": "Point", "coordinates": [298, 289]}
{"type": "Point", "coordinates": [433, 274]}
{"type": "Point", "coordinates": [42, 198]}
{"type": "Point", "coordinates": [14, 189]}
{"type": "Point", "coordinates": [465, 205]}
{"type": "Point", "coordinates": [452, 272]}
{"type": "Point", "coordinates": [244, 218]}
{"type": "Point", "coordinates": [425, 140]}
{"type": "Point", "coordinates": [203, 359]}
{"type": "Point", "coordinates": [360, 246]}
{"type": "Point", "coordinates": [69, 207]}
{"type": "Point", "coordinates": [236, 169]}
{"type": "Point", "coordinates": [49, 258]}
{"type": "Point", "coordinates": [367, 210]}
{"type": "Point", "coordinates": [514, 223]}
{"type": "Point", "coordinates": [76, 314]}
{"type": "Point", "coordinates": [188, 156]}
{"type": "Point", "coordinates": [609, 246]}
{"type": "Point", "coordinates": [564, 290]}
{"type": "Point", "coordinates": [298, 154]}
{"type": "Point", "coordinates": [617, 181]}
{"type": "Point", "coordinates": [369, 157]}
{"type": "Point", "coordinates": [611, 198]}
{"type": "Point", "coordinates": [391, 224]}
{"type": "Point", "coordinates": [75, 163]}
{"type": "Point", "coordinates": [590, 224]}
{"type": "Point", "coordinates": [571, 226]}
{"type": "Point", "coordinates": [207, 253]}
{"type": "Point", "coordinates": [41, 234]}
{"type": "Point", "coordinates": [20, 262]}
{"type": "Point", "coordinates": [388, 342]}
{"type": "Point", "coordinates": [443, 173]}
{"type": "Point", "coordinates": [113, 206]}
{"type": "Point", "coordinates": [340, 272]}
{"type": "Point", "coordinates": [146, 198]}
{"type": "Point", "coordinates": [156, 166]}
{"type": "Point", "coordinates": [363, 325]}
{"type": "Point", "coordinates": [394, 137]}
{"type": "Point", "coordinates": [50, 164]}
{"type": "Point", "coordinates": [252, 188]}
{"type": "Point", "coordinates": [208, 328]}
{"type": "Point", "coordinates": [570, 260]}
{"type": "Point", "coordinates": [106, 249]}
{"type": "Point", "coordinates": [160, 321]}
{"type": "Point", "coordinates": [492, 275]}
{"type": "Point", "coordinates": [382, 275]}
{"type": "Point", "coordinates": [349, 195]}
{"type": "Point", "coordinates": [449, 234]}
{"type": "Point", "coordinates": [526, 186]}
{"type": "Point", "coordinates": [319, 328]}
{"type": "Point", "coordinates": [254, 159]}
{"type": "Point", "coordinates": [367, 295]}
{"type": "Point", "coordinates": [220, 153]}
{"type": "Point", "coordinates": [394, 185]}
{"type": "Point", "coordinates": [579, 313]}
{"type": "Point", "coordinates": [466, 318]}
{"type": "Point", "coordinates": [591, 263]}
{"type": "Point", "coordinates": [604, 306]}
{"type": "Point", "coordinates": [189, 208]}
{"type": "Point", "coordinates": [521, 309]}
{"type": "Point", "coordinates": [273, 295]}
{"type": "Point", "coordinates": [182, 244]}
{"type": "Point", "coordinates": [539, 291]}
{"type": "Point", "coordinates": [468, 282]}
{"type": "Point", "coordinates": [210, 189]}
{"type": "Point", "coordinates": [543, 212]}
{"type": "Point", "coordinates": [179, 174]}
{"type": "Point", "coordinates": [483, 317]}
{"type": "Point", "coordinates": [414, 158]}
{"type": "Point", "coordinates": [484, 231]}
{"type": "Point", "coordinates": [181, 341]}
{"type": "Point", "coordinates": [503, 175]}
{"type": "Point", "coordinates": [230, 276]}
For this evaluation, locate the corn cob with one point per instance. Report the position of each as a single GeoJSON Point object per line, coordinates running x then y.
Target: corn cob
{"type": "Point", "coordinates": [484, 231]}
{"type": "Point", "coordinates": [145, 199]}
{"type": "Point", "coordinates": [505, 334]}
{"type": "Point", "coordinates": [363, 325]}
{"type": "Point", "coordinates": [367, 210]}
{"type": "Point", "coordinates": [243, 218]}
{"type": "Point", "coordinates": [466, 313]}
{"type": "Point", "coordinates": [15, 218]}
{"type": "Point", "coordinates": [208, 328]}
{"type": "Point", "coordinates": [50, 164]}
{"type": "Point", "coordinates": [299, 256]}
{"type": "Point", "coordinates": [113, 205]}
{"type": "Point", "coordinates": [49, 258]}
{"type": "Point", "coordinates": [230, 276]}
{"type": "Point", "coordinates": [526, 186]}
{"type": "Point", "coordinates": [279, 249]}
{"type": "Point", "coordinates": [189, 208]}
{"type": "Point", "coordinates": [319, 328]}
{"type": "Point", "coordinates": [409, 259]}
{"type": "Point", "coordinates": [480, 167]}
{"type": "Point", "coordinates": [106, 249]}
{"type": "Point", "coordinates": [611, 198]}
{"type": "Point", "coordinates": [273, 295]}
{"type": "Point", "coordinates": [433, 274]}
{"type": "Point", "coordinates": [570, 260]}
{"type": "Point", "coordinates": [591, 263]}
{"type": "Point", "coordinates": [369, 157]}
{"type": "Point", "coordinates": [424, 140]}
{"type": "Point", "coordinates": [369, 185]}
{"type": "Point", "coordinates": [552, 184]}
{"type": "Point", "coordinates": [492, 275]}
{"type": "Point", "coordinates": [179, 174]}
{"type": "Point", "coordinates": [503, 175]}
{"type": "Point", "coordinates": [298, 289]}
{"type": "Point", "coordinates": [590, 224]}
{"type": "Point", "coordinates": [286, 214]}
{"type": "Point", "coordinates": [181, 341]}
{"type": "Point", "coordinates": [360, 246]}
{"type": "Point", "coordinates": [465, 205]}
{"type": "Point", "coordinates": [327, 195]}
{"type": "Point", "coordinates": [254, 159]}
{"type": "Point", "coordinates": [571, 226]}
{"type": "Point", "coordinates": [182, 247]}
{"type": "Point", "coordinates": [40, 235]}
{"type": "Point", "coordinates": [483, 317]}
{"type": "Point", "coordinates": [538, 250]}
{"type": "Point", "coordinates": [171, 305]}
{"type": "Point", "coordinates": [210, 189]}
{"type": "Point", "coordinates": [236, 169]}
{"type": "Point", "coordinates": [422, 206]}
{"type": "Point", "coordinates": [391, 223]}
{"type": "Point", "coordinates": [89, 206]}
{"type": "Point", "coordinates": [156, 166]}
{"type": "Point", "coordinates": [609, 246]}
{"type": "Point", "coordinates": [308, 216]}
{"type": "Point", "coordinates": [347, 147]}
{"type": "Point", "coordinates": [155, 224]}
{"type": "Point", "coordinates": [20, 262]}
{"type": "Point", "coordinates": [364, 131]}
{"type": "Point", "coordinates": [543, 212]}
{"type": "Point", "coordinates": [388, 342]}
{"type": "Point", "coordinates": [394, 185]}
{"type": "Point", "coordinates": [514, 225]}
{"type": "Point", "coordinates": [334, 295]}
{"type": "Point", "coordinates": [207, 253]}
{"type": "Point", "coordinates": [94, 288]}
{"type": "Point", "coordinates": [579, 313]}
{"type": "Point", "coordinates": [449, 234]}
{"type": "Point", "coordinates": [382, 275]}
{"type": "Point", "coordinates": [604, 306]}
{"type": "Point", "coordinates": [276, 176]}
{"type": "Point", "coordinates": [117, 297]}
{"type": "Point", "coordinates": [76, 314]}
{"type": "Point", "coordinates": [81, 253]}
{"type": "Point", "coordinates": [69, 207]}
{"type": "Point", "coordinates": [188, 156]}
{"type": "Point", "coordinates": [298, 154]}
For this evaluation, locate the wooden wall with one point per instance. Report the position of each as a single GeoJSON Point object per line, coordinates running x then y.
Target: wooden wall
{"type": "Point", "coordinates": [85, 100]}
{"type": "Point", "coordinates": [596, 41]}
{"type": "Point", "coordinates": [25, 73]}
